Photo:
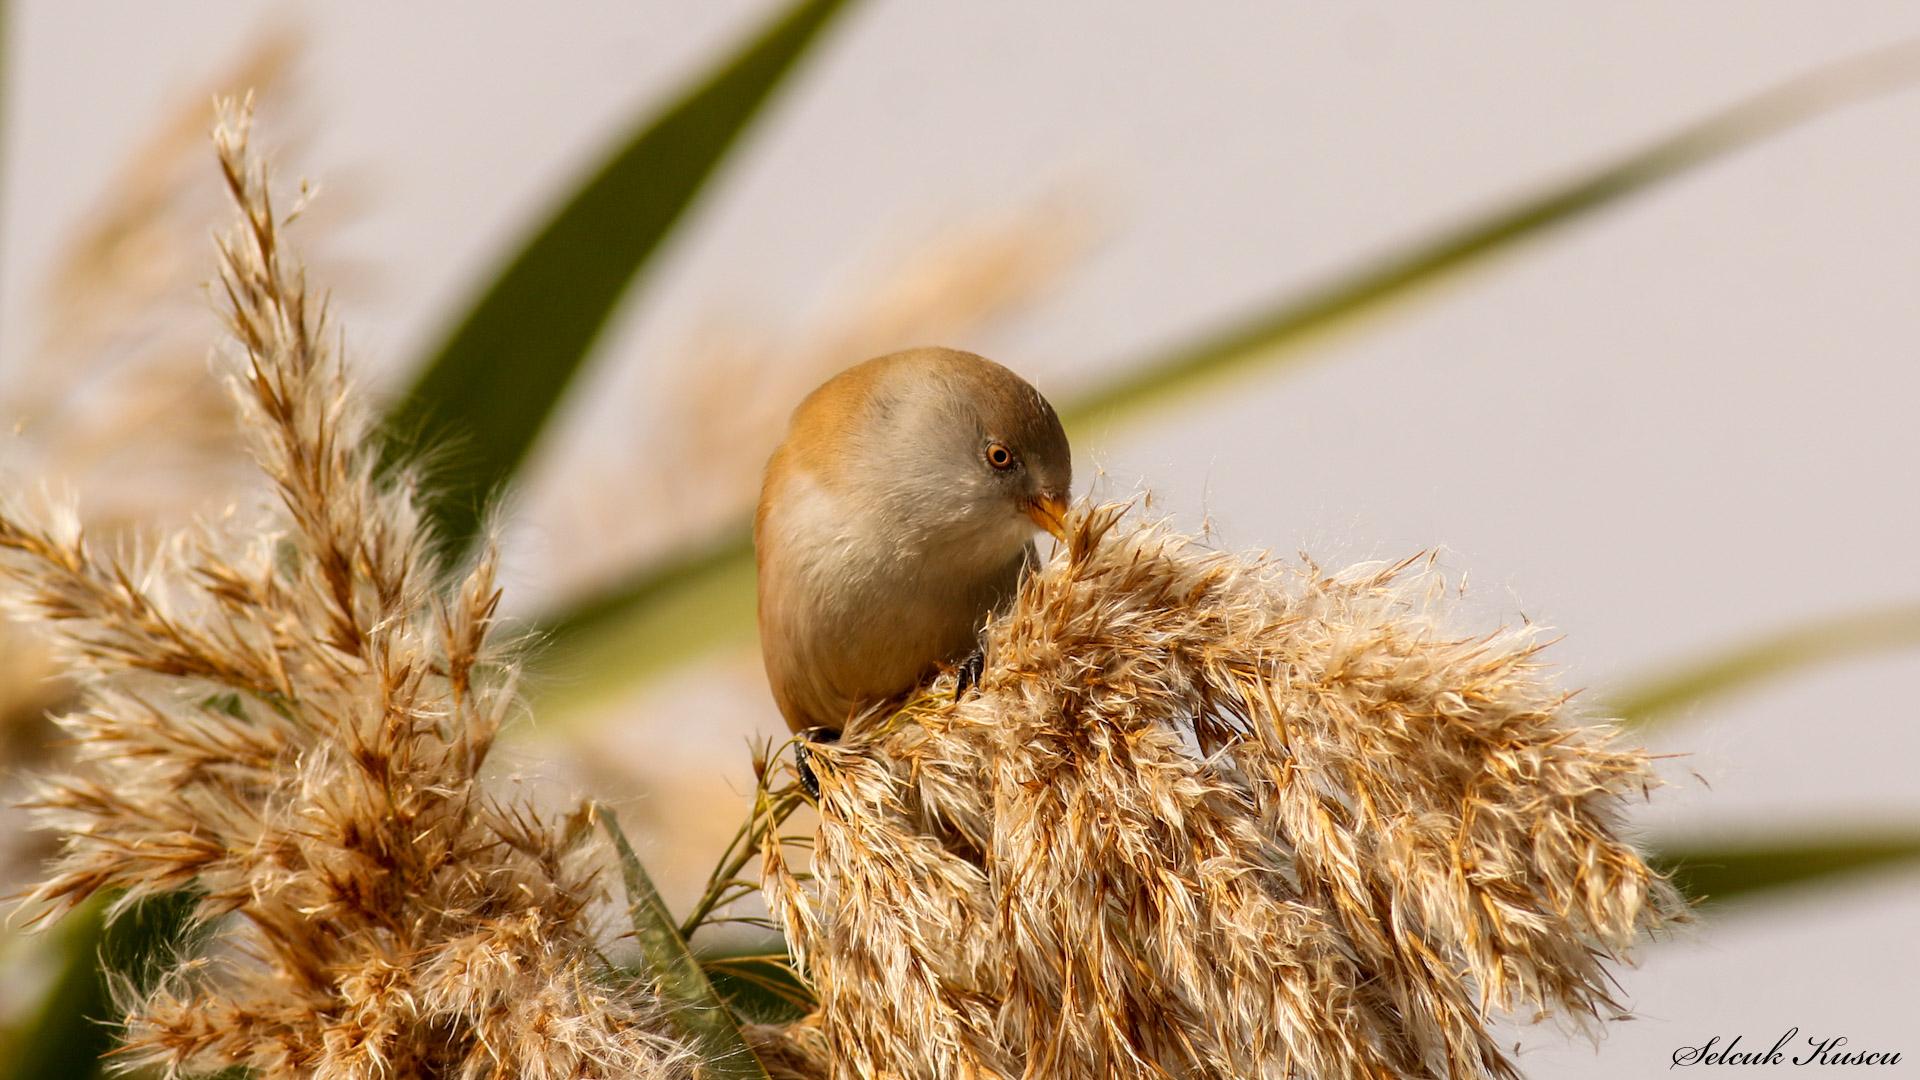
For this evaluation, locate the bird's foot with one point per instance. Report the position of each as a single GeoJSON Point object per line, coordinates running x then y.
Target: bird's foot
{"type": "Point", "coordinates": [808, 781]}
{"type": "Point", "coordinates": [966, 677]}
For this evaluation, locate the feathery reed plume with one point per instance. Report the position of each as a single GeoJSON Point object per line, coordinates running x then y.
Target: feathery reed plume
{"type": "Point", "coordinates": [122, 350]}
{"type": "Point", "coordinates": [1216, 816]}
{"type": "Point", "coordinates": [283, 711]}
{"type": "Point", "coordinates": [31, 690]}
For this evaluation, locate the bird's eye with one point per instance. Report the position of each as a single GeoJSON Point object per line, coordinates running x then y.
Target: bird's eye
{"type": "Point", "coordinates": [999, 456]}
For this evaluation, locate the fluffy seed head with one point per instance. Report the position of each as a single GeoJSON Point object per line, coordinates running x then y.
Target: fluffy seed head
{"type": "Point", "coordinates": [285, 712]}
{"type": "Point", "coordinates": [1216, 816]}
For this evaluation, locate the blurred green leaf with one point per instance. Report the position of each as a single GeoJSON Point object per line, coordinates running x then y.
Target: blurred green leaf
{"type": "Point", "coordinates": [701, 1016]}
{"type": "Point", "coordinates": [65, 1039]}
{"type": "Point", "coordinates": [653, 621]}
{"type": "Point", "coordinates": [1717, 873]}
{"type": "Point", "coordinates": [77, 1022]}
{"type": "Point", "coordinates": [757, 980]}
{"type": "Point", "coordinates": [491, 386]}
{"type": "Point", "coordinates": [635, 624]}
{"type": "Point", "coordinates": [1770, 657]}
{"type": "Point", "coordinates": [1280, 330]}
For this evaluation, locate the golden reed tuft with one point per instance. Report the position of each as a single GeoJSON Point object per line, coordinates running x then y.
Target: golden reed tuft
{"type": "Point", "coordinates": [1214, 816]}
{"type": "Point", "coordinates": [285, 712]}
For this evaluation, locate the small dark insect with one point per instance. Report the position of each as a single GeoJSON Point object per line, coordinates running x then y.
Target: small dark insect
{"type": "Point", "coordinates": [809, 782]}
{"type": "Point", "coordinates": [967, 677]}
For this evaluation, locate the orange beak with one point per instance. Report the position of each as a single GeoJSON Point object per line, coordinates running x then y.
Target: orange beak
{"type": "Point", "coordinates": [1050, 513]}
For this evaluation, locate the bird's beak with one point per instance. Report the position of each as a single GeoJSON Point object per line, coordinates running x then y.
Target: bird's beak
{"type": "Point", "coordinates": [1050, 513]}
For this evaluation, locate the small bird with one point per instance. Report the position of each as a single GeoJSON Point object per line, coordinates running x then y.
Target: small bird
{"type": "Point", "coordinates": [896, 516]}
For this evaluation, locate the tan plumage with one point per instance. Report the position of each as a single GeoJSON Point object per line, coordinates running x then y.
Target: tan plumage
{"type": "Point", "coordinates": [895, 517]}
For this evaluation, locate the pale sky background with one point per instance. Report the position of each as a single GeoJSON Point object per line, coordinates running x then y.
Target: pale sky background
{"type": "Point", "coordinates": [1686, 421]}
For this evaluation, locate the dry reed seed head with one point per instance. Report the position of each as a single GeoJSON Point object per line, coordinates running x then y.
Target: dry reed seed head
{"type": "Point", "coordinates": [900, 903]}
{"type": "Point", "coordinates": [1212, 815]}
{"type": "Point", "coordinates": [282, 711]}
{"type": "Point", "coordinates": [796, 1051]}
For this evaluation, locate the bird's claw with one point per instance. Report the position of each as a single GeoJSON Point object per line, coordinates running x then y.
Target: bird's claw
{"type": "Point", "coordinates": [966, 677]}
{"type": "Point", "coordinates": [809, 782]}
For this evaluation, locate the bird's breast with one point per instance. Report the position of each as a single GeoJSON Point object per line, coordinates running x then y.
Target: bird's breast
{"type": "Point", "coordinates": [854, 611]}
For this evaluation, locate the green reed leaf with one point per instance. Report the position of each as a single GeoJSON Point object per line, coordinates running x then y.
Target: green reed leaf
{"type": "Point", "coordinates": [1713, 873]}
{"type": "Point", "coordinates": [490, 388]}
{"type": "Point", "coordinates": [65, 1039]}
{"type": "Point", "coordinates": [76, 1023]}
{"type": "Point", "coordinates": [703, 1019]}
{"type": "Point", "coordinates": [652, 621]}
{"type": "Point", "coordinates": [1771, 657]}
{"type": "Point", "coordinates": [1278, 331]}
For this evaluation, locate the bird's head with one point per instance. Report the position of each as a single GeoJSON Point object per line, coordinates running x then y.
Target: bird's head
{"type": "Point", "coordinates": [1020, 457]}
{"type": "Point", "coordinates": [950, 454]}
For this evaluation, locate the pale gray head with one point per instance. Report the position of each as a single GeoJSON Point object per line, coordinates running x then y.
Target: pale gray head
{"type": "Point", "coordinates": [959, 456]}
